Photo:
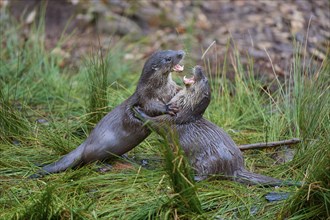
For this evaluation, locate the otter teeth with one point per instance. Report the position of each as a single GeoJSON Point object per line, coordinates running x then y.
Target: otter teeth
{"type": "Point", "coordinates": [178, 68]}
{"type": "Point", "coordinates": [188, 81]}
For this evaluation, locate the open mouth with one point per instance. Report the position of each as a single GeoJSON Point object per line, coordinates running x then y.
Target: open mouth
{"type": "Point", "coordinates": [196, 77]}
{"type": "Point", "coordinates": [178, 68]}
{"type": "Point", "coordinates": [178, 58]}
{"type": "Point", "coordinates": [188, 81]}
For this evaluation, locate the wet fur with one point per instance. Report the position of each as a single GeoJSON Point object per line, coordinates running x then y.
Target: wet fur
{"type": "Point", "coordinates": [119, 131]}
{"type": "Point", "coordinates": [209, 148]}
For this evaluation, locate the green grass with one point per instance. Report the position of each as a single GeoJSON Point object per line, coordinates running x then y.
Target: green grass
{"type": "Point", "coordinates": [34, 86]}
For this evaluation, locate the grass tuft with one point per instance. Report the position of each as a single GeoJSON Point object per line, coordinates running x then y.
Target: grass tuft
{"type": "Point", "coordinates": [311, 114]}
{"type": "Point", "coordinates": [13, 125]}
{"type": "Point", "coordinates": [43, 207]}
{"type": "Point", "coordinates": [312, 200]}
{"type": "Point", "coordinates": [180, 173]}
{"type": "Point", "coordinates": [98, 78]}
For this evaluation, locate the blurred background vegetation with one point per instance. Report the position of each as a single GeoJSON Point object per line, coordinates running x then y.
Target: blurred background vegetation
{"type": "Point", "coordinates": [256, 27]}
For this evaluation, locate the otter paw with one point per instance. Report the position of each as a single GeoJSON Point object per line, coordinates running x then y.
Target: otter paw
{"type": "Point", "coordinates": [36, 175]}
{"type": "Point", "coordinates": [172, 109]}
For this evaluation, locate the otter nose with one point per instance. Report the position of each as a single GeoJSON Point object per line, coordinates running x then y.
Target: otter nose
{"type": "Point", "coordinates": [180, 54]}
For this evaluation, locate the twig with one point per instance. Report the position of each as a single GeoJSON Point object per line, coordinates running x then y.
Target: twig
{"type": "Point", "coordinates": [207, 49]}
{"type": "Point", "coordinates": [306, 42]}
{"type": "Point", "coordinates": [270, 144]}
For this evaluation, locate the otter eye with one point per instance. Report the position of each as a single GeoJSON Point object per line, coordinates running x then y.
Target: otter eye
{"type": "Point", "coordinates": [168, 59]}
{"type": "Point", "coordinates": [154, 67]}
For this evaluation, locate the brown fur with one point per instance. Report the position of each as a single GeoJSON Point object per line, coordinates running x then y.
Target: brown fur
{"type": "Point", "coordinates": [119, 131]}
{"type": "Point", "coordinates": [209, 148]}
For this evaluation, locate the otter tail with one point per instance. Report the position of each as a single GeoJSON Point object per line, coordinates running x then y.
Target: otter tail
{"type": "Point", "coordinates": [70, 160]}
{"type": "Point", "coordinates": [249, 178]}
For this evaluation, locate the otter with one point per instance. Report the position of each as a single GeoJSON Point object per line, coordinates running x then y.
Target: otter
{"type": "Point", "coordinates": [210, 150]}
{"type": "Point", "coordinates": [120, 131]}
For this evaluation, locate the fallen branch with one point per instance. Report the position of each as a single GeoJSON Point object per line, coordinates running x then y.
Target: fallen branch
{"type": "Point", "coordinates": [269, 144]}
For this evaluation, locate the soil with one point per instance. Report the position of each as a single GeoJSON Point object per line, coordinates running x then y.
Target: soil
{"type": "Point", "coordinates": [261, 30]}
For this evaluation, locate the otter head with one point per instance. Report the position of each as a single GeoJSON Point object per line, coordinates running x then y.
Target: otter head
{"type": "Point", "coordinates": [198, 90]}
{"type": "Point", "coordinates": [198, 83]}
{"type": "Point", "coordinates": [159, 65]}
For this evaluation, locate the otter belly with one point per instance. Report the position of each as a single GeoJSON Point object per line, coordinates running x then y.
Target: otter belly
{"type": "Point", "coordinates": [111, 136]}
{"type": "Point", "coordinates": [209, 149]}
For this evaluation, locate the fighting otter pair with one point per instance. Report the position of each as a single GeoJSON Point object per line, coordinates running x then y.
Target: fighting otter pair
{"type": "Point", "coordinates": [157, 98]}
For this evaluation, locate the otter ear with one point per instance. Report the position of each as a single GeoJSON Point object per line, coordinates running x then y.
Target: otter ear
{"type": "Point", "coordinates": [154, 67]}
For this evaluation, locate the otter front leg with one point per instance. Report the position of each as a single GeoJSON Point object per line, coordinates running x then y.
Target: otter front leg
{"type": "Point", "coordinates": [155, 122]}
{"type": "Point", "coordinates": [155, 108]}
{"type": "Point", "coordinates": [141, 115]}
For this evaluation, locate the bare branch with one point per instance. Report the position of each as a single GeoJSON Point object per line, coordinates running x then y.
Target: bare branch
{"type": "Point", "coordinates": [269, 144]}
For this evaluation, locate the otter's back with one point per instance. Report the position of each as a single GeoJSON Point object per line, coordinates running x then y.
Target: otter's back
{"type": "Point", "coordinates": [209, 148]}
